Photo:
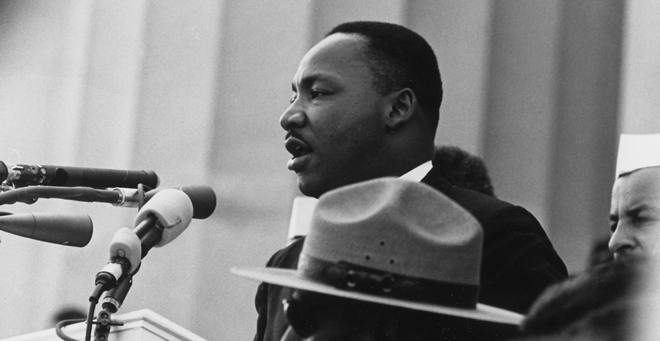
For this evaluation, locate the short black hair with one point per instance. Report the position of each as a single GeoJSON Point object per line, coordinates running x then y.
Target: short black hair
{"type": "Point", "coordinates": [400, 58]}
{"type": "Point", "coordinates": [596, 296]}
{"type": "Point", "coordinates": [463, 169]}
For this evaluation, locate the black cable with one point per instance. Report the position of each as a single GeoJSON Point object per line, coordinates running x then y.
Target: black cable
{"type": "Point", "coordinates": [64, 323]}
{"type": "Point", "coordinates": [93, 299]}
{"type": "Point", "coordinates": [90, 319]}
{"type": "Point", "coordinates": [29, 195]}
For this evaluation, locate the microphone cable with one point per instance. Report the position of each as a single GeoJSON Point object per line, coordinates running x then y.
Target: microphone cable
{"type": "Point", "coordinates": [93, 300]}
{"type": "Point", "coordinates": [29, 195]}
{"type": "Point", "coordinates": [203, 197]}
{"type": "Point", "coordinates": [64, 323]}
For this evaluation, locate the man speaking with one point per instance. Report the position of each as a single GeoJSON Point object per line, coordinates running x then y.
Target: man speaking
{"type": "Point", "coordinates": [365, 105]}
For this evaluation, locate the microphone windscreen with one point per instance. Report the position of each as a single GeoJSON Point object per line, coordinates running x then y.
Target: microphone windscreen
{"type": "Point", "coordinates": [126, 244]}
{"type": "Point", "coordinates": [57, 228]}
{"type": "Point", "coordinates": [174, 211]}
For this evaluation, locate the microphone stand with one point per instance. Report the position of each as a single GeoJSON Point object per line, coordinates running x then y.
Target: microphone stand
{"type": "Point", "coordinates": [111, 303]}
{"type": "Point", "coordinates": [150, 232]}
{"type": "Point", "coordinates": [115, 296]}
{"type": "Point", "coordinates": [149, 235]}
{"type": "Point", "coordinates": [103, 323]}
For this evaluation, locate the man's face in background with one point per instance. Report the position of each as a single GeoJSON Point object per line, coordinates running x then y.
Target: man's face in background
{"type": "Point", "coordinates": [635, 214]}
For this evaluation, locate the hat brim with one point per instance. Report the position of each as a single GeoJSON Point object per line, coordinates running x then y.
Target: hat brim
{"type": "Point", "coordinates": [290, 278]}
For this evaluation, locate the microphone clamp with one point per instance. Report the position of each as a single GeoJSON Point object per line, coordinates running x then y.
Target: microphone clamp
{"type": "Point", "coordinates": [111, 272]}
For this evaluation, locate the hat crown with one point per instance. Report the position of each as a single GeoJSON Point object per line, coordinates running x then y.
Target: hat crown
{"type": "Point", "coordinates": [397, 226]}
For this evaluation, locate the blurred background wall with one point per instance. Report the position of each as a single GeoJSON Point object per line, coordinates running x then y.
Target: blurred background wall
{"type": "Point", "coordinates": [193, 90]}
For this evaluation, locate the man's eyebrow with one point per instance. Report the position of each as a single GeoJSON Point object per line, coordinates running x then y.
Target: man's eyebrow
{"type": "Point", "coordinates": [635, 210]}
{"type": "Point", "coordinates": [654, 208]}
{"type": "Point", "coordinates": [310, 79]}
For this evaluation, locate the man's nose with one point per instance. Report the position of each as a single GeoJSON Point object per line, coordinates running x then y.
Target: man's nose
{"type": "Point", "coordinates": [621, 241]}
{"type": "Point", "coordinates": [293, 117]}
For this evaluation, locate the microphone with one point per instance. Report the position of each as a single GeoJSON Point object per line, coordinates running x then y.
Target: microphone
{"type": "Point", "coordinates": [125, 255]}
{"type": "Point", "coordinates": [76, 176]}
{"type": "Point", "coordinates": [57, 228]}
{"type": "Point", "coordinates": [162, 219]}
{"type": "Point", "coordinates": [114, 298]}
{"type": "Point", "coordinates": [202, 197]}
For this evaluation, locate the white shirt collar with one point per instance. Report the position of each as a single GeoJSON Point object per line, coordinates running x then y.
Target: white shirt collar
{"type": "Point", "coordinates": [419, 172]}
{"type": "Point", "coordinates": [301, 215]}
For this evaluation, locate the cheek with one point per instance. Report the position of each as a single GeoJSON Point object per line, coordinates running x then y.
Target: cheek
{"type": "Point", "coordinates": [355, 144]}
{"type": "Point", "coordinates": [650, 235]}
{"type": "Point", "coordinates": [347, 130]}
{"type": "Point", "coordinates": [645, 238]}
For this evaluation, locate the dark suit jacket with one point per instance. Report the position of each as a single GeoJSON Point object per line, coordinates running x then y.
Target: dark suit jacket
{"type": "Point", "coordinates": [518, 260]}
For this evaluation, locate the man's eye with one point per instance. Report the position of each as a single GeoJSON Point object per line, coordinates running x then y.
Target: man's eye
{"type": "Point", "coordinates": [293, 98]}
{"type": "Point", "coordinates": [614, 220]}
{"type": "Point", "coordinates": [639, 219]}
{"type": "Point", "coordinates": [314, 94]}
{"type": "Point", "coordinates": [613, 225]}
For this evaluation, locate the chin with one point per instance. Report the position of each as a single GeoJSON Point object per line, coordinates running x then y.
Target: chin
{"type": "Point", "coordinates": [316, 184]}
{"type": "Point", "coordinates": [308, 188]}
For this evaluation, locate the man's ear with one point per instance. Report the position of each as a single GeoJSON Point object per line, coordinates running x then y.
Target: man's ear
{"type": "Point", "coordinates": [402, 107]}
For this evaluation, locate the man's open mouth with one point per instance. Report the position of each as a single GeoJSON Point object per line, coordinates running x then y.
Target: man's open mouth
{"type": "Point", "coordinates": [301, 152]}
{"type": "Point", "coordinates": [297, 147]}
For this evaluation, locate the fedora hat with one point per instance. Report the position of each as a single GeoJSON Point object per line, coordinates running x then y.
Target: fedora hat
{"type": "Point", "coordinates": [394, 242]}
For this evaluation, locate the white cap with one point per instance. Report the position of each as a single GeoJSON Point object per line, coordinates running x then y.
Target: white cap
{"type": "Point", "coordinates": [637, 151]}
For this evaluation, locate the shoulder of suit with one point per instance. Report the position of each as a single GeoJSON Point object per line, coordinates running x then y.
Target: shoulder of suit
{"type": "Point", "coordinates": [288, 256]}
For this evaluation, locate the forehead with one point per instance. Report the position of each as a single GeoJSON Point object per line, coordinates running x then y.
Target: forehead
{"type": "Point", "coordinates": [339, 55]}
{"type": "Point", "coordinates": [636, 188]}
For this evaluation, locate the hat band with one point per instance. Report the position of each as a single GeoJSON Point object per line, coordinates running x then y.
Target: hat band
{"type": "Point", "coordinates": [350, 277]}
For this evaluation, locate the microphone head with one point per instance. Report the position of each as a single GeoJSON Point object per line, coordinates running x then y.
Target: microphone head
{"type": "Point", "coordinates": [174, 211]}
{"type": "Point", "coordinates": [202, 198]}
{"type": "Point", "coordinates": [4, 172]}
{"type": "Point", "coordinates": [126, 244]}
{"type": "Point", "coordinates": [58, 228]}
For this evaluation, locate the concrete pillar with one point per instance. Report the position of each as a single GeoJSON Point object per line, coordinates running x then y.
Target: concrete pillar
{"type": "Point", "coordinates": [519, 110]}
{"type": "Point", "coordinates": [458, 31]}
{"type": "Point", "coordinates": [640, 83]}
{"type": "Point", "coordinates": [553, 99]}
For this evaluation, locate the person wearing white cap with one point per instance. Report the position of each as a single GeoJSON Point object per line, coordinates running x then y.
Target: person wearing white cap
{"type": "Point", "coordinates": [635, 205]}
{"type": "Point", "coordinates": [387, 259]}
